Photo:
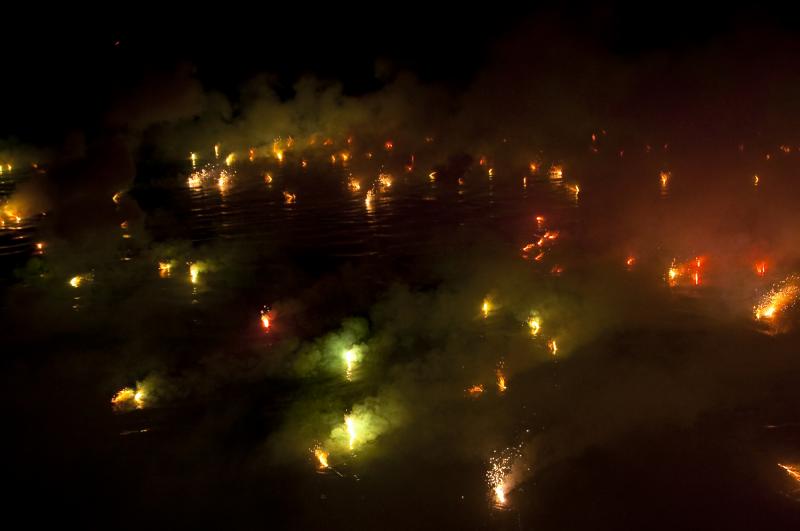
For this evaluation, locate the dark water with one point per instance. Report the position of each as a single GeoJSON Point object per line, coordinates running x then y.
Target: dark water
{"type": "Point", "coordinates": [665, 407]}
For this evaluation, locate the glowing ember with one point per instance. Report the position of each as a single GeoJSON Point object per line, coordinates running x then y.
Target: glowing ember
{"type": "Point", "coordinates": [630, 261]}
{"type": "Point", "coordinates": [664, 177]}
{"type": "Point", "coordinates": [128, 399]}
{"type": "Point", "coordinates": [782, 296]}
{"type": "Point", "coordinates": [475, 390]}
{"type": "Point", "coordinates": [761, 268]}
{"type": "Point", "coordinates": [268, 178]}
{"type": "Point", "coordinates": [388, 145]}
{"type": "Point", "coordinates": [690, 269]}
{"type": "Point", "coordinates": [216, 150]}
{"type": "Point", "coordinates": [77, 280]}
{"type": "Point", "coordinates": [533, 167]}
{"type": "Point", "coordinates": [552, 346]}
{"type": "Point", "coordinates": [432, 176]}
{"type": "Point", "coordinates": [289, 198]}
{"type": "Point", "coordinates": [223, 180]}
{"type": "Point", "coordinates": [350, 423]}
{"type": "Point", "coordinates": [265, 320]}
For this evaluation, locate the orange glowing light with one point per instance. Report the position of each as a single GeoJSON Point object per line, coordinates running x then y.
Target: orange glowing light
{"type": "Point", "coordinates": [792, 470]}
{"type": "Point", "coordinates": [475, 390]}
{"type": "Point", "coordinates": [556, 172]}
{"type": "Point", "coordinates": [761, 268]}
{"type": "Point", "coordinates": [552, 346]}
{"type": "Point", "coordinates": [265, 320]}
{"type": "Point", "coordinates": [501, 381]}
{"type": "Point", "coordinates": [533, 167]}
{"type": "Point", "coordinates": [388, 145]}
{"type": "Point", "coordinates": [164, 269]}
{"type": "Point", "coordinates": [252, 154]}
{"type": "Point", "coordinates": [322, 457]}
{"type": "Point", "coordinates": [782, 296]}
{"type": "Point", "coordinates": [268, 178]}
{"type": "Point", "coordinates": [755, 180]}
{"type": "Point", "coordinates": [630, 261]}
{"type": "Point", "coordinates": [289, 198]}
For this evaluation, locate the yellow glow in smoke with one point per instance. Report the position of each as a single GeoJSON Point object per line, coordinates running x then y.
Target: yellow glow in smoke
{"type": "Point", "coordinates": [230, 159]}
{"type": "Point", "coordinates": [164, 269]}
{"type": "Point", "coordinates": [486, 307]}
{"type": "Point", "coordinates": [322, 457]}
{"type": "Point", "coordinates": [350, 423]}
{"type": "Point", "coordinates": [76, 281]}
{"type": "Point", "coordinates": [216, 151]}
{"type": "Point", "coordinates": [534, 324]}
{"type": "Point", "coordinates": [553, 346]}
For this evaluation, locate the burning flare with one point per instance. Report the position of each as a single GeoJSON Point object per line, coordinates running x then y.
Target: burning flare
{"type": "Point", "coordinates": [534, 324]}
{"type": "Point", "coordinates": [265, 319]}
{"type": "Point", "coordinates": [792, 470]}
{"type": "Point", "coordinates": [322, 457]}
{"type": "Point", "coordinates": [781, 297]}
{"type": "Point", "coordinates": [475, 390]}
{"type": "Point", "coordinates": [486, 307]}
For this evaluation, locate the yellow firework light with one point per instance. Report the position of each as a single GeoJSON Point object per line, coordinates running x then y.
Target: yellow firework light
{"type": "Point", "coordinates": [556, 172]}
{"type": "Point", "coordinates": [195, 268]}
{"type": "Point", "coordinates": [193, 158]}
{"type": "Point", "coordinates": [501, 381]}
{"type": "Point", "coordinates": [552, 346]}
{"type": "Point", "coordinates": [486, 307]}
{"type": "Point", "coordinates": [350, 357]}
{"type": "Point", "coordinates": [534, 324]}
{"type": "Point", "coordinates": [664, 177]}
{"type": "Point", "coordinates": [353, 184]}
{"type": "Point", "coordinates": [369, 198]}
{"type": "Point", "coordinates": [230, 159]}
{"type": "Point", "coordinates": [781, 297]}
{"type": "Point", "coordinates": [128, 399]}
{"type": "Point", "coordinates": [350, 424]}
{"type": "Point", "coordinates": [268, 178]}
{"type": "Point", "coordinates": [216, 151]}
{"type": "Point", "coordinates": [164, 269]}
{"type": "Point", "coordinates": [385, 180]}
{"type": "Point", "coordinates": [475, 391]}
{"type": "Point", "coordinates": [289, 198]}
{"type": "Point", "coordinates": [78, 280]}
{"type": "Point", "coordinates": [322, 457]}
{"type": "Point", "coordinates": [498, 476]}
{"type": "Point", "coordinates": [432, 176]}
{"type": "Point", "coordinates": [117, 197]}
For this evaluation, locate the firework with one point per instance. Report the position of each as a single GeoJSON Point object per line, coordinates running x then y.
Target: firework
{"type": "Point", "coordinates": [385, 180]}
{"type": "Point", "coordinates": [690, 269]}
{"type": "Point", "coordinates": [265, 319]}
{"type": "Point", "coordinates": [755, 180]}
{"type": "Point", "coordinates": [193, 158]}
{"type": "Point", "coordinates": [350, 424]}
{"type": "Point", "coordinates": [230, 159]}
{"type": "Point", "coordinates": [552, 346]}
{"type": "Point", "coordinates": [78, 280]}
{"type": "Point", "coordinates": [781, 297]}
{"type": "Point", "coordinates": [350, 356]}
{"type": "Point", "coordinates": [195, 268]}
{"type": "Point", "coordinates": [164, 269]}
{"type": "Point", "coordinates": [664, 177]}
{"type": "Point", "coordinates": [630, 261]}
{"type": "Point", "coordinates": [268, 178]}
{"type": "Point", "coordinates": [322, 457]}
{"type": "Point", "coordinates": [128, 399]}
{"type": "Point", "coordinates": [501, 380]}
{"type": "Point", "coordinates": [498, 476]}
{"type": "Point", "coordinates": [353, 184]}
{"type": "Point", "coordinates": [369, 198]}
{"type": "Point", "coordinates": [556, 172]}
{"type": "Point", "coordinates": [117, 197]}
{"type": "Point", "coordinates": [216, 151]}
{"type": "Point", "coordinates": [761, 268]}
{"type": "Point", "coordinates": [533, 167]}
{"type": "Point", "coordinates": [432, 176]}
{"type": "Point", "coordinates": [289, 198]}
{"type": "Point", "coordinates": [486, 307]}
{"type": "Point", "coordinates": [792, 470]}
{"type": "Point", "coordinates": [475, 391]}
{"type": "Point", "coordinates": [534, 324]}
